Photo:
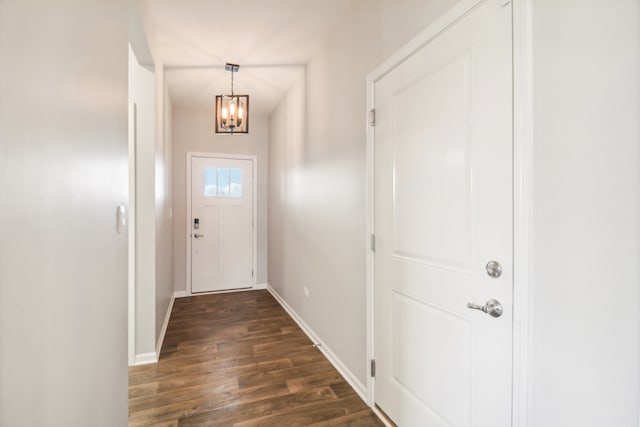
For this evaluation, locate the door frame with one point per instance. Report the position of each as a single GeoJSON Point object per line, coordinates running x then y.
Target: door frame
{"type": "Point", "coordinates": [522, 191]}
{"type": "Point", "coordinates": [131, 269]}
{"type": "Point", "coordinates": [254, 228]}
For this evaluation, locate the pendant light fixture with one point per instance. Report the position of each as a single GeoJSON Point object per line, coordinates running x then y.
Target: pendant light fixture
{"type": "Point", "coordinates": [232, 111]}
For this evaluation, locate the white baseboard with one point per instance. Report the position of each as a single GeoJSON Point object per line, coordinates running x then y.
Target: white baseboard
{"type": "Point", "coordinates": [181, 294]}
{"type": "Point", "coordinates": [165, 324]}
{"type": "Point", "coordinates": [330, 355]}
{"type": "Point", "coordinates": [153, 357]}
{"type": "Point", "coordinates": [260, 286]}
{"type": "Point", "coordinates": [146, 358]}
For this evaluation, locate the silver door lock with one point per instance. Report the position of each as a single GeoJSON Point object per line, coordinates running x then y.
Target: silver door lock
{"type": "Point", "coordinates": [494, 269]}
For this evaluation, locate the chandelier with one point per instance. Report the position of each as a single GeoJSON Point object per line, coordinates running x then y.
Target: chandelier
{"type": "Point", "coordinates": [232, 111]}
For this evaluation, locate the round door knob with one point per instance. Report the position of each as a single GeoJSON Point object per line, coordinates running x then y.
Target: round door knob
{"type": "Point", "coordinates": [494, 269]}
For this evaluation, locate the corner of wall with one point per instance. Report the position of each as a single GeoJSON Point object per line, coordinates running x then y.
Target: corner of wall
{"type": "Point", "coordinates": [163, 202]}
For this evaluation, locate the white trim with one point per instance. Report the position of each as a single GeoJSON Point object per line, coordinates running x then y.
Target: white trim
{"type": "Point", "coordinates": [165, 324]}
{"type": "Point", "coordinates": [187, 283]}
{"type": "Point", "coordinates": [131, 266]}
{"type": "Point", "coordinates": [408, 50]}
{"type": "Point", "coordinates": [370, 224]}
{"type": "Point", "coordinates": [260, 286]}
{"type": "Point", "coordinates": [522, 191]}
{"type": "Point", "coordinates": [522, 207]}
{"type": "Point", "coordinates": [181, 294]}
{"type": "Point", "coordinates": [153, 357]}
{"type": "Point", "coordinates": [146, 358]}
{"type": "Point", "coordinates": [330, 355]}
{"type": "Point", "coordinates": [254, 160]}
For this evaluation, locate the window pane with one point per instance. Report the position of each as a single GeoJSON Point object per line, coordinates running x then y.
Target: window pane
{"type": "Point", "coordinates": [210, 182]}
{"type": "Point", "coordinates": [223, 182]}
{"type": "Point", "coordinates": [236, 183]}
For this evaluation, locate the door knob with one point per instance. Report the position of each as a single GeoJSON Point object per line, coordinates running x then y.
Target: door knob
{"type": "Point", "coordinates": [492, 307]}
{"type": "Point", "coordinates": [197, 236]}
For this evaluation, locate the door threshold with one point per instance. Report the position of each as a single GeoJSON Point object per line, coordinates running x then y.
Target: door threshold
{"type": "Point", "coordinates": [222, 291]}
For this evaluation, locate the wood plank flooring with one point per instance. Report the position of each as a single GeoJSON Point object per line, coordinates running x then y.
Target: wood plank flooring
{"type": "Point", "coordinates": [238, 359]}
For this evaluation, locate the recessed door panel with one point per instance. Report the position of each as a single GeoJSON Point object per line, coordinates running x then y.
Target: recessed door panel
{"type": "Point", "coordinates": [434, 370]}
{"type": "Point", "coordinates": [431, 135]}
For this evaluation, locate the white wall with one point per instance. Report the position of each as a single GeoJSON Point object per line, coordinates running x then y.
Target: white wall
{"type": "Point", "coordinates": [193, 131]}
{"type": "Point", "coordinates": [154, 163]}
{"type": "Point", "coordinates": [154, 226]}
{"type": "Point", "coordinates": [317, 192]}
{"type": "Point", "coordinates": [63, 171]}
{"type": "Point", "coordinates": [142, 92]}
{"type": "Point", "coordinates": [586, 276]}
{"type": "Point", "coordinates": [163, 249]}
{"type": "Point", "coordinates": [286, 140]}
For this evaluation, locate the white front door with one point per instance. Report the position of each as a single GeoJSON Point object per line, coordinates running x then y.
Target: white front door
{"type": "Point", "coordinates": [221, 224]}
{"type": "Point", "coordinates": [443, 211]}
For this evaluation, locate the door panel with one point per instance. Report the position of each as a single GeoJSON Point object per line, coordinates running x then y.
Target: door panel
{"type": "Point", "coordinates": [434, 370]}
{"type": "Point", "coordinates": [441, 216]}
{"type": "Point", "coordinates": [222, 243]}
{"type": "Point", "coordinates": [443, 209]}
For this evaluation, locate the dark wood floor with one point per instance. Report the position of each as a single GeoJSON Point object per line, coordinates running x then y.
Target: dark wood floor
{"type": "Point", "coordinates": [238, 359]}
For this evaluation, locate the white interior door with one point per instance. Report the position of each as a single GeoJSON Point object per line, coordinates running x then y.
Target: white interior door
{"type": "Point", "coordinates": [221, 224]}
{"type": "Point", "coordinates": [443, 210]}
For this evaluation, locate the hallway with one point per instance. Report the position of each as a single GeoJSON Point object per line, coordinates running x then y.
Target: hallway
{"type": "Point", "coordinates": [238, 359]}
{"type": "Point", "coordinates": [441, 275]}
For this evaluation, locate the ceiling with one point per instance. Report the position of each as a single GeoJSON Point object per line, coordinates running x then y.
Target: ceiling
{"type": "Point", "coordinates": [197, 87]}
{"type": "Point", "coordinates": [270, 39]}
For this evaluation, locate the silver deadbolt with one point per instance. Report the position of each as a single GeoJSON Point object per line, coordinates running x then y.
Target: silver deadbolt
{"type": "Point", "coordinates": [494, 269]}
{"type": "Point", "coordinates": [493, 307]}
